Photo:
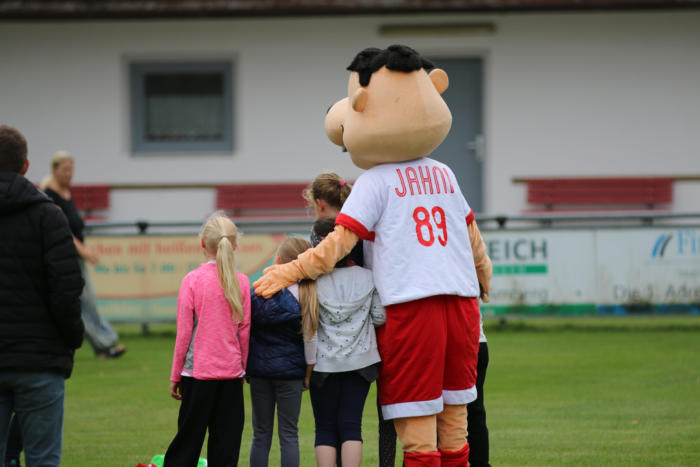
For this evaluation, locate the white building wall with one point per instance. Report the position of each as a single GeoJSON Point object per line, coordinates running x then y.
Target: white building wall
{"type": "Point", "coordinates": [565, 94]}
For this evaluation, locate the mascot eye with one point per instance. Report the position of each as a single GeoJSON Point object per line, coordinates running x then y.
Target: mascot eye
{"type": "Point", "coordinates": [342, 129]}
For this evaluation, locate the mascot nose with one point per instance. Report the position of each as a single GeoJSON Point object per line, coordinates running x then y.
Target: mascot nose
{"type": "Point", "coordinates": [335, 118]}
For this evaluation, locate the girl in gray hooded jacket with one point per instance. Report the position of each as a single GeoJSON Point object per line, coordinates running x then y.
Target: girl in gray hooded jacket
{"type": "Point", "coordinates": [346, 356]}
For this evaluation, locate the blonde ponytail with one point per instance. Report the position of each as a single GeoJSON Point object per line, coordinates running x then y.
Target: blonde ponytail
{"type": "Point", "coordinates": [220, 236]}
{"type": "Point", "coordinates": [228, 276]}
{"type": "Point", "coordinates": [308, 298]}
{"type": "Point", "coordinates": [45, 182]}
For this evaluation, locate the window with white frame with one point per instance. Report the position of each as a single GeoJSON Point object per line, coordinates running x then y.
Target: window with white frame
{"type": "Point", "coordinates": [181, 107]}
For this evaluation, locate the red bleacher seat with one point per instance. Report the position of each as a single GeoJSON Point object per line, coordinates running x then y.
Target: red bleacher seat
{"type": "Point", "coordinates": [90, 199]}
{"type": "Point", "coordinates": [623, 193]}
{"type": "Point", "coordinates": [262, 199]}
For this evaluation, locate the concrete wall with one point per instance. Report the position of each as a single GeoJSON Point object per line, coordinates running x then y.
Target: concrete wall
{"type": "Point", "coordinates": [565, 94]}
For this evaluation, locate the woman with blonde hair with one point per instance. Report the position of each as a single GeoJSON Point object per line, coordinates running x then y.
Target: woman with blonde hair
{"type": "Point", "coordinates": [102, 338]}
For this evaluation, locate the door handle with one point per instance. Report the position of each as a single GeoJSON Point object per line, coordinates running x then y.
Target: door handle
{"type": "Point", "coordinates": [478, 147]}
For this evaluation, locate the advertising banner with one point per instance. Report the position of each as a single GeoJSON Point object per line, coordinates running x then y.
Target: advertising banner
{"type": "Point", "coordinates": [606, 271]}
{"type": "Point", "coordinates": [543, 271]}
{"type": "Point", "coordinates": [138, 277]}
{"type": "Point", "coordinates": [654, 268]}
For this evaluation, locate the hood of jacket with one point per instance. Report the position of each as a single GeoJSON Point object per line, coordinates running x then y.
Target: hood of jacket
{"type": "Point", "coordinates": [16, 193]}
{"type": "Point", "coordinates": [344, 291]}
{"type": "Point", "coordinates": [279, 309]}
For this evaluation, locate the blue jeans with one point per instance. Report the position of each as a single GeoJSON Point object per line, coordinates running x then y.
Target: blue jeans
{"type": "Point", "coordinates": [97, 329]}
{"type": "Point", "coordinates": [37, 401]}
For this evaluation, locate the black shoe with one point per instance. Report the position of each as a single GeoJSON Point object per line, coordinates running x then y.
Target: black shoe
{"type": "Point", "coordinates": [114, 352]}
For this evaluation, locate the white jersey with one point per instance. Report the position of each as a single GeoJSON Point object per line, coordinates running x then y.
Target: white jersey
{"type": "Point", "coordinates": [416, 217]}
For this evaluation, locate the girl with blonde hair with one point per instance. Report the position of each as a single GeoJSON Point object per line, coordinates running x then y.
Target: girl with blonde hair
{"type": "Point", "coordinates": [211, 351]}
{"type": "Point", "coordinates": [282, 356]}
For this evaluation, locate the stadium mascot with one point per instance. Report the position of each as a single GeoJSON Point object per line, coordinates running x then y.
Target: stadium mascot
{"type": "Point", "coordinates": [427, 256]}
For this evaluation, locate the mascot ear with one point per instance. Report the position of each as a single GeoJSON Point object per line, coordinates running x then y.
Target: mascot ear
{"type": "Point", "coordinates": [440, 80]}
{"type": "Point", "coordinates": [359, 100]}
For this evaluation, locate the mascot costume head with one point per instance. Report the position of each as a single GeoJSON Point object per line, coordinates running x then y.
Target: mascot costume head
{"type": "Point", "coordinates": [393, 111]}
{"type": "Point", "coordinates": [428, 259]}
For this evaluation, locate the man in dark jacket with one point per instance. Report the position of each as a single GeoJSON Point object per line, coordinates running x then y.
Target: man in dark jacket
{"type": "Point", "coordinates": [40, 325]}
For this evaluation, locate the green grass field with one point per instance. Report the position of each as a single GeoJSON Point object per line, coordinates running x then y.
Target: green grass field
{"type": "Point", "coordinates": [580, 392]}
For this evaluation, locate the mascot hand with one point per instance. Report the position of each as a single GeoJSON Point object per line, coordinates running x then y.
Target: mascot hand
{"type": "Point", "coordinates": [310, 264]}
{"type": "Point", "coordinates": [483, 295]}
{"type": "Point", "coordinates": [275, 278]}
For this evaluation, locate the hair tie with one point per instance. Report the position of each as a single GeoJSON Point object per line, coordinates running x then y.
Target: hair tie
{"type": "Point", "coordinates": [225, 236]}
{"type": "Point", "coordinates": [341, 183]}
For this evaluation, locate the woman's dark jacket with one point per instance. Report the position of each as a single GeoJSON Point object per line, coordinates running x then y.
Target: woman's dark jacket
{"type": "Point", "coordinates": [40, 282]}
{"type": "Point", "coordinates": [276, 344]}
{"type": "Point", "coordinates": [75, 220]}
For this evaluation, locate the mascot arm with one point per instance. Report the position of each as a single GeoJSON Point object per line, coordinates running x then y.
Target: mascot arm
{"type": "Point", "coordinates": [481, 259]}
{"type": "Point", "coordinates": [310, 264]}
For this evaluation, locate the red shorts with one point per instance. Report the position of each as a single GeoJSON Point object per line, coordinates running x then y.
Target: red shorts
{"type": "Point", "coordinates": [429, 349]}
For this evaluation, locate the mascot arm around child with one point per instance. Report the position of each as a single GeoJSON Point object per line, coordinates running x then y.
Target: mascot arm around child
{"type": "Point", "coordinates": [429, 261]}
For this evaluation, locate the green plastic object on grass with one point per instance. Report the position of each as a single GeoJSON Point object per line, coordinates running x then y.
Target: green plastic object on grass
{"type": "Point", "coordinates": [160, 458]}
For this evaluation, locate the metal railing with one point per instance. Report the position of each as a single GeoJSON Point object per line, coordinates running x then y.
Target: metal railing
{"type": "Point", "coordinates": [251, 225]}
{"type": "Point", "coordinates": [602, 219]}
{"type": "Point", "coordinates": [486, 221]}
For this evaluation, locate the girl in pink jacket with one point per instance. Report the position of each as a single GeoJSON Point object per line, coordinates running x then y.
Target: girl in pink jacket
{"type": "Point", "coordinates": [211, 350]}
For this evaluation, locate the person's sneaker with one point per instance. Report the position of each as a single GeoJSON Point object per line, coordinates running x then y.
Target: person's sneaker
{"type": "Point", "coordinates": [114, 352]}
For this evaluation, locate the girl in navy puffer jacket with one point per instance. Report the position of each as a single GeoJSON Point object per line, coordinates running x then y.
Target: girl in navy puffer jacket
{"type": "Point", "coordinates": [278, 365]}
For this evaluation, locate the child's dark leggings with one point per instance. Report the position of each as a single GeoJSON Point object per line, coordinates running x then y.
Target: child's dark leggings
{"type": "Point", "coordinates": [387, 438]}
{"type": "Point", "coordinates": [338, 406]}
{"type": "Point", "coordinates": [213, 404]}
{"type": "Point", "coordinates": [478, 436]}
